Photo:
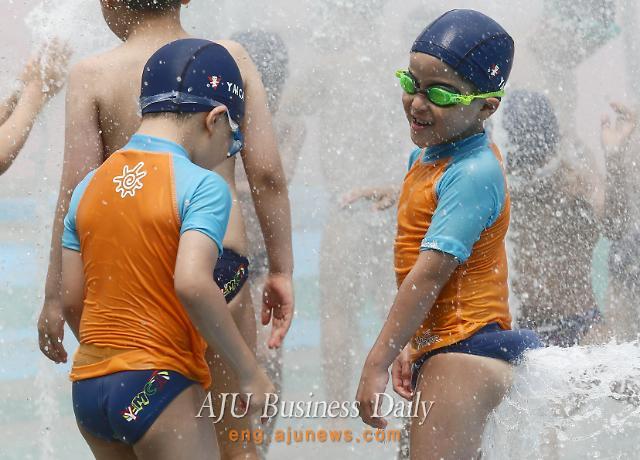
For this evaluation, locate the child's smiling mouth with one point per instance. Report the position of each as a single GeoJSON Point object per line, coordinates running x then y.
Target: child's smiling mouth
{"type": "Point", "coordinates": [417, 124]}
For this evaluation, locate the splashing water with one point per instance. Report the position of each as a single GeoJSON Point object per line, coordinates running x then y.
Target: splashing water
{"type": "Point", "coordinates": [578, 402]}
{"type": "Point", "coordinates": [88, 33]}
{"type": "Point", "coordinates": [46, 410]}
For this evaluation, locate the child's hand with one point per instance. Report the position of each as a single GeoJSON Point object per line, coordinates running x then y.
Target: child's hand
{"type": "Point", "coordinates": [401, 375]}
{"type": "Point", "coordinates": [48, 69]}
{"type": "Point", "coordinates": [277, 307]}
{"type": "Point", "coordinates": [373, 383]}
{"type": "Point", "coordinates": [55, 63]}
{"type": "Point", "coordinates": [383, 197]}
{"type": "Point", "coordinates": [51, 331]}
{"type": "Point", "coordinates": [259, 386]}
{"type": "Point", "coordinates": [616, 137]}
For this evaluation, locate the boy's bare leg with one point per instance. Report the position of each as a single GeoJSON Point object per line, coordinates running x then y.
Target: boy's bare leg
{"type": "Point", "coordinates": [107, 450]}
{"type": "Point", "coordinates": [464, 389]}
{"type": "Point", "coordinates": [177, 433]}
{"type": "Point", "coordinates": [225, 381]}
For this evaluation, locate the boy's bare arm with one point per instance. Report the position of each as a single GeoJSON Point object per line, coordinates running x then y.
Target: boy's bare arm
{"type": "Point", "coordinates": [268, 184]}
{"type": "Point", "coordinates": [291, 135]}
{"type": "Point", "coordinates": [207, 308]}
{"type": "Point", "coordinates": [15, 130]}
{"type": "Point", "coordinates": [18, 114]}
{"type": "Point", "coordinates": [263, 166]}
{"type": "Point", "coordinates": [415, 298]}
{"type": "Point", "coordinates": [72, 289]}
{"type": "Point", "coordinates": [83, 152]}
{"type": "Point", "coordinates": [8, 105]}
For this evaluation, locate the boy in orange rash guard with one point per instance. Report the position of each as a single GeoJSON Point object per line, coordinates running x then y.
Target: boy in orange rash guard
{"type": "Point", "coordinates": [450, 259]}
{"type": "Point", "coordinates": [141, 239]}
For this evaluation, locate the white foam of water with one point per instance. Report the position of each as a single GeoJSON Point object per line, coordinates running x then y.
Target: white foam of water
{"type": "Point", "coordinates": [46, 409]}
{"type": "Point", "coordinates": [77, 22]}
{"type": "Point", "coordinates": [578, 402]}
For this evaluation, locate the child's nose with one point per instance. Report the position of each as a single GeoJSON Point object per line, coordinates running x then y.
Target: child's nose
{"type": "Point", "coordinates": [419, 102]}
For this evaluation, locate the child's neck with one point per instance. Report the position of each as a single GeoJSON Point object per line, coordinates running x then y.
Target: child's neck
{"type": "Point", "coordinates": [155, 26]}
{"type": "Point", "coordinates": [167, 130]}
{"type": "Point", "coordinates": [467, 134]}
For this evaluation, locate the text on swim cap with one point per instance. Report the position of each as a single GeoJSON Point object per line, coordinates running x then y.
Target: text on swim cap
{"type": "Point", "coordinates": [235, 89]}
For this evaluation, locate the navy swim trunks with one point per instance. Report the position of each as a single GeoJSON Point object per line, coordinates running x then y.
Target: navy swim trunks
{"type": "Point", "coordinates": [490, 341]}
{"type": "Point", "coordinates": [123, 406]}
{"type": "Point", "coordinates": [231, 272]}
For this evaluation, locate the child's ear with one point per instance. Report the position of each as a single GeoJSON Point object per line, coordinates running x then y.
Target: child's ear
{"type": "Point", "coordinates": [213, 117]}
{"type": "Point", "coordinates": [489, 107]}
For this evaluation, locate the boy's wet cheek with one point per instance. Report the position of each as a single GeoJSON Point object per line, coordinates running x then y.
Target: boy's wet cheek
{"type": "Point", "coordinates": [459, 115]}
{"type": "Point", "coordinates": [407, 101]}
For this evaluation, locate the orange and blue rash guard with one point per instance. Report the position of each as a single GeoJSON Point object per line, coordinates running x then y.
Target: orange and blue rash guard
{"type": "Point", "coordinates": [454, 200]}
{"type": "Point", "coordinates": [126, 219]}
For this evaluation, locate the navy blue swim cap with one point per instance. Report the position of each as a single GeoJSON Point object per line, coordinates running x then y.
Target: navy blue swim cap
{"type": "Point", "coordinates": [192, 75]}
{"type": "Point", "coordinates": [473, 44]}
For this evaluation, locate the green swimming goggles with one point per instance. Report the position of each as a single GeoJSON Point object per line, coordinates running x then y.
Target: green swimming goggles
{"type": "Point", "coordinates": [439, 95]}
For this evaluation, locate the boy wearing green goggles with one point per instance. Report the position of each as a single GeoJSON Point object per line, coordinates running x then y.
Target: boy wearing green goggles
{"type": "Point", "coordinates": [448, 334]}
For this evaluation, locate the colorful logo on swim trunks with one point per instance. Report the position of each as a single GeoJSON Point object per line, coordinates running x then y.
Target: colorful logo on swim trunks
{"type": "Point", "coordinates": [425, 339]}
{"type": "Point", "coordinates": [235, 283]}
{"type": "Point", "coordinates": [214, 82]}
{"type": "Point", "coordinates": [141, 400]}
{"type": "Point", "coordinates": [130, 180]}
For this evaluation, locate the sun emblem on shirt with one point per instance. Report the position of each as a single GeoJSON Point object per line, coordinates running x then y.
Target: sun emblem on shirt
{"type": "Point", "coordinates": [130, 180]}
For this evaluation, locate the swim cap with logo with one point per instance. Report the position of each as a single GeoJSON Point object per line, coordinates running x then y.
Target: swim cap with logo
{"type": "Point", "coordinates": [192, 75]}
{"type": "Point", "coordinates": [473, 44]}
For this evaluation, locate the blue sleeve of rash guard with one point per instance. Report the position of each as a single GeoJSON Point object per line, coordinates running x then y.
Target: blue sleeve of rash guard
{"type": "Point", "coordinates": [471, 194]}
